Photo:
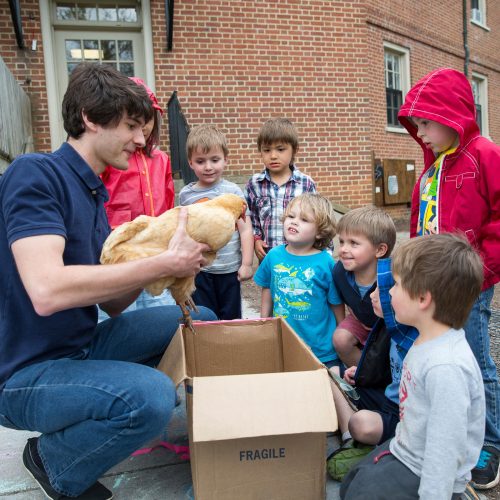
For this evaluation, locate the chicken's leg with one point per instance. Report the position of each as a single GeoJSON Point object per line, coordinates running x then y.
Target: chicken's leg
{"type": "Point", "coordinates": [186, 315]}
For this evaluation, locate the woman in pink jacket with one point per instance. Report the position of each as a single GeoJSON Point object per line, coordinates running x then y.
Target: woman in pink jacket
{"type": "Point", "coordinates": [145, 188]}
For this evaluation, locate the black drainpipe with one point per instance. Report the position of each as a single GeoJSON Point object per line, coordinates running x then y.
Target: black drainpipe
{"type": "Point", "coordinates": [466, 44]}
{"type": "Point", "coordinates": [169, 21]}
{"type": "Point", "coordinates": [15, 12]}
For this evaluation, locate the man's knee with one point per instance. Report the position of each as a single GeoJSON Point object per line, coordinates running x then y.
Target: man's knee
{"type": "Point", "coordinates": [154, 398]}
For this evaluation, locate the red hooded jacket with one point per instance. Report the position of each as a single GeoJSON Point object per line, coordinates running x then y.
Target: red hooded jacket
{"type": "Point", "coordinates": [469, 187]}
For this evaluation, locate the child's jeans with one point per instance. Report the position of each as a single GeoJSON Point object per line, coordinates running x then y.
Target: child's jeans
{"type": "Point", "coordinates": [99, 405]}
{"type": "Point", "coordinates": [476, 332]}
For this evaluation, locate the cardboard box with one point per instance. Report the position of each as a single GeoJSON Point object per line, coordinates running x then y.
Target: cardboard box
{"type": "Point", "coordinates": [259, 405]}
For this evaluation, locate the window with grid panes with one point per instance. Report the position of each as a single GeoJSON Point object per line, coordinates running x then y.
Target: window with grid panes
{"type": "Point", "coordinates": [117, 51]}
{"type": "Point", "coordinates": [393, 87]}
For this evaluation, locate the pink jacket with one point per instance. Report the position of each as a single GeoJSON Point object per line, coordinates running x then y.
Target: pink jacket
{"type": "Point", "coordinates": [469, 188]}
{"type": "Point", "coordinates": [146, 188]}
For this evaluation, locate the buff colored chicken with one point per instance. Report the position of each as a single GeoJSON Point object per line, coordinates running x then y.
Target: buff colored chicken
{"type": "Point", "coordinates": [211, 222]}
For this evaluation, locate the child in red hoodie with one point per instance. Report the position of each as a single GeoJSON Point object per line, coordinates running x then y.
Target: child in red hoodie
{"type": "Point", "coordinates": [459, 190]}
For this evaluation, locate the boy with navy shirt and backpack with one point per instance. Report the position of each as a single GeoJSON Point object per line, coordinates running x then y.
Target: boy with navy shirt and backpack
{"type": "Point", "coordinates": [365, 235]}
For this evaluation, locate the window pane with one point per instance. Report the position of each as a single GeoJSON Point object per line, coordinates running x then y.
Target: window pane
{"type": "Point", "coordinates": [73, 49]}
{"type": "Point", "coordinates": [394, 99]}
{"type": "Point", "coordinates": [127, 14]}
{"type": "Point", "coordinates": [474, 4]}
{"type": "Point", "coordinates": [397, 81]}
{"type": "Point", "coordinates": [475, 90]}
{"type": "Point", "coordinates": [108, 48]}
{"type": "Point", "coordinates": [91, 50]}
{"type": "Point", "coordinates": [127, 69]}
{"type": "Point", "coordinates": [479, 118]}
{"type": "Point", "coordinates": [125, 52]}
{"type": "Point", "coordinates": [107, 13]}
{"type": "Point", "coordinates": [87, 14]}
{"type": "Point", "coordinates": [65, 11]}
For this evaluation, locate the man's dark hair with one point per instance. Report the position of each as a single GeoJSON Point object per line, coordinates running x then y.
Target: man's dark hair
{"type": "Point", "coordinates": [104, 94]}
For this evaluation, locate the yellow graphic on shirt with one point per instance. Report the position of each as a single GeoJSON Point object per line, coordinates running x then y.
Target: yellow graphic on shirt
{"type": "Point", "coordinates": [427, 217]}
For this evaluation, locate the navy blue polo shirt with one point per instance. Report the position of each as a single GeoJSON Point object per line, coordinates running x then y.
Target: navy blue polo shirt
{"type": "Point", "coordinates": [42, 194]}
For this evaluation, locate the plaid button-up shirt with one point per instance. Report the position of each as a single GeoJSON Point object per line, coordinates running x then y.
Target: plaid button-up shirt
{"type": "Point", "coordinates": [267, 202]}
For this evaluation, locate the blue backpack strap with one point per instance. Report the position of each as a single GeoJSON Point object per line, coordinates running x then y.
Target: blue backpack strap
{"type": "Point", "coordinates": [403, 335]}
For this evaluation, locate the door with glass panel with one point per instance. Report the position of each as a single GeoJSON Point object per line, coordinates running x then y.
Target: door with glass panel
{"type": "Point", "coordinates": [96, 33]}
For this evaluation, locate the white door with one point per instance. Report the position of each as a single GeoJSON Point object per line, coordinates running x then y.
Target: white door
{"type": "Point", "coordinates": [122, 50]}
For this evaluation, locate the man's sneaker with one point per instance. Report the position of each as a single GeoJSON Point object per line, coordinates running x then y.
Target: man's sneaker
{"type": "Point", "coordinates": [341, 461]}
{"type": "Point", "coordinates": [34, 466]}
{"type": "Point", "coordinates": [486, 474]}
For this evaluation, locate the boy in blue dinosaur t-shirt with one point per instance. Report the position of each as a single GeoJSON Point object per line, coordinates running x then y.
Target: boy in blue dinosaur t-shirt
{"type": "Point", "coordinates": [296, 278]}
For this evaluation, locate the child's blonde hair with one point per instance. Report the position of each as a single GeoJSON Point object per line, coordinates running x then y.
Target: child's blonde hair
{"type": "Point", "coordinates": [371, 222]}
{"type": "Point", "coordinates": [278, 130]}
{"type": "Point", "coordinates": [324, 217]}
{"type": "Point", "coordinates": [444, 265]}
{"type": "Point", "coordinates": [204, 138]}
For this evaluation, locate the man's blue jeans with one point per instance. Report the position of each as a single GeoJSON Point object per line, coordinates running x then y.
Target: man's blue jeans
{"type": "Point", "coordinates": [476, 332]}
{"type": "Point", "coordinates": [98, 406]}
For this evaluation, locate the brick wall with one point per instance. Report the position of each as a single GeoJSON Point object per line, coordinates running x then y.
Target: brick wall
{"type": "Point", "coordinates": [236, 63]}
{"type": "Point", "coordinates": [27, 65]}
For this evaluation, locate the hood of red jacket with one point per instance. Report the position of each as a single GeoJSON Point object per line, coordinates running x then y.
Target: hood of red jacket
{"type": "Point", "coordinates": [444, 96]}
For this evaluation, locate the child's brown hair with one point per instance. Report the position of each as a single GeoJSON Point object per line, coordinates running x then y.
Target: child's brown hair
{"type": "Point", "coordinates": [444, 265]}
{"type": "Point", "coordinates": [371, 222]}
{"type": "Point", "coordinates": [324, 217]}
{"type": "Point", "coordinates": [204, 138]}
{"type": "Point", "coordinates": [278, 130]}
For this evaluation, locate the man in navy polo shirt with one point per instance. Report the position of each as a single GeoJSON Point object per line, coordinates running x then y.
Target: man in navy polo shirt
{"type": "Point", "coordinates": [88, 388]}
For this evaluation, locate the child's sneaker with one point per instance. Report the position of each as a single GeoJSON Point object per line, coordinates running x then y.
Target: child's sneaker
{"type": "Point", "coordinates": [341, 461]}
{"type": "Point", "coordinates": [486, 474]}
{"type": "Point", "coordinates": [469, 493]}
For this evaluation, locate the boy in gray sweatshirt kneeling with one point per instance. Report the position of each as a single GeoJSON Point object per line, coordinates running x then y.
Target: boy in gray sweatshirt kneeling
{"type": "Point", "coordinates": [442, 408]}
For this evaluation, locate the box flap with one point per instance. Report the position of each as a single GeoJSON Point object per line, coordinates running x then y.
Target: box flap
{"type": "Point", "coordinates": [173, 361]}
{"type": "Point", "coordinates": [239, 406]}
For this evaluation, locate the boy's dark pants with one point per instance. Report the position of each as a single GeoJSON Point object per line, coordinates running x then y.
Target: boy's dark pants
{"type": "Point", "coordinates": [219, 292]}
{"type": "Point", "coordinates": [380, 476]}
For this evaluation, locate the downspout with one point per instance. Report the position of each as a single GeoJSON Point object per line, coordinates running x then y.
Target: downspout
{"type": "Point", "coordinates": [465, 34]}
{"type": "Point", "coordinates": [15, 12]}
{"type": "Point", "coordinates": [169, 21]}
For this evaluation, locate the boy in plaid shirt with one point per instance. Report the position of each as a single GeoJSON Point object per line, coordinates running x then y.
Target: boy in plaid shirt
{"type": "Point", "coordinates": [269, 192]}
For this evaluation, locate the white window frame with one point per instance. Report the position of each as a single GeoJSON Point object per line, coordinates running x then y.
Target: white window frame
{"type": "Point", "coordinates": [478, 16]}
{"type": "Point", "coordinates": [482, 82]}
{"type": "Point", "coordinates": [47, 29]}
{"type": "Point", "coordinates": [404, 54]}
